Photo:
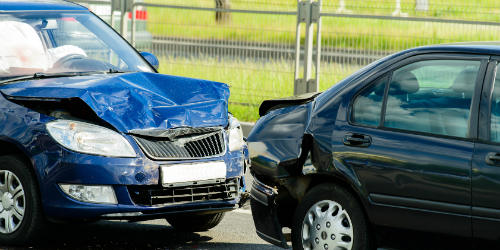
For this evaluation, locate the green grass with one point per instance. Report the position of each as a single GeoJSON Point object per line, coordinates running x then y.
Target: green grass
{"type": "Point", "coordinates": [250, 82]}
{"type": "Point", "coordinates": [348, 33]}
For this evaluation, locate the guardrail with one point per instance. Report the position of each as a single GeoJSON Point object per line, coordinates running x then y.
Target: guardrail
{"type": "Point", "coordinates": [269, 49]}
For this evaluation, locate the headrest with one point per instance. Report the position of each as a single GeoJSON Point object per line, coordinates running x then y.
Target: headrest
{"type": "Point", "coordinates": [404, 84]}
{"type": "Point", "coordinates": [465, 81]}
{"type": "Point", "coordinates": [496, 88]}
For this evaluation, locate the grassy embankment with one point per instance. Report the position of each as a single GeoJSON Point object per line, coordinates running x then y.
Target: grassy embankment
{"type": "Point", "coordinates": [249, 82]}
{"type": "Point", "coordinates": [252, 82]}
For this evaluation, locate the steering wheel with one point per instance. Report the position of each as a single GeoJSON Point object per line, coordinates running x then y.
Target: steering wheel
{"type": "Point", "coordinates": [67, 58]}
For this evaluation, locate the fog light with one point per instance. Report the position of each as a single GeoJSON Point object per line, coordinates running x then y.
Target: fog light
{"type": "Point", "coordinates": [90, 193]}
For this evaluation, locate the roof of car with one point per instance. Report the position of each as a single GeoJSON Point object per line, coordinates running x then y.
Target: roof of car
{"type": "Point", "coordinates": [488, 48]}
{"type": "Point", "coordinates": [20, 5]}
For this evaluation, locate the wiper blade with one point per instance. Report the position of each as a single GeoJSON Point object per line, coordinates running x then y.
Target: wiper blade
{"type": "Point", "coordinates": [115, 71]}
{"type": "Point", "coordinates": [42, 75]}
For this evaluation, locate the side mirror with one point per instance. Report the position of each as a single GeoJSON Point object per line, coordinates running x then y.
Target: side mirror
{"type": "Point", "coordinates": [151, 59]}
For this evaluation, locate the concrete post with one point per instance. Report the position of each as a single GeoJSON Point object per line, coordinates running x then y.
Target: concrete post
{"type": "Point", "coordinates": [308, 13]}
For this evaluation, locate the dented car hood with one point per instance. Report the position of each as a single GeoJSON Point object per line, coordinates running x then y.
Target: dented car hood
{"type": "Point", "coordinates": [137, 101]}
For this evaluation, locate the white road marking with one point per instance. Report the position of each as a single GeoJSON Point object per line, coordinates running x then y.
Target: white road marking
{"type": "Point", "coordinates": [243, 211]}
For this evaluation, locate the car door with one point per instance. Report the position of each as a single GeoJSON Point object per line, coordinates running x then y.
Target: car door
{"type": "Point", "coordinates": [486, 165]}
{"type": "Point", "coordinates": [409, 137]}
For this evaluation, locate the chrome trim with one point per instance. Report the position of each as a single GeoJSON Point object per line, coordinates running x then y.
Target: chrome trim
{"type": "Point", "coordinates": [224, 150]}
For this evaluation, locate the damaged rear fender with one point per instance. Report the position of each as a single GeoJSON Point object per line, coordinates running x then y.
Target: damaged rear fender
{"type": "Point", "coordinates": [276, 141]}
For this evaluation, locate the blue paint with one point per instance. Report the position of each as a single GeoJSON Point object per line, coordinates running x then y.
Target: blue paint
{"type": "Point", "coordinates": [127, 102]}
{"type": "Point", "coordinates": [11, 5]}
{"type": "Point", "coordinates": [132, 101]}
{"type": "Point", "coordinates": [137, 100]}
{"type": "Point", "coordinates": [152, 59]}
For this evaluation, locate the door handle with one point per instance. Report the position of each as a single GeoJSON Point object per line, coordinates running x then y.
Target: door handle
{"type": "Point", "coordinates": [357, 140]}
{"type": "Point", "coordinates": [493, 159]}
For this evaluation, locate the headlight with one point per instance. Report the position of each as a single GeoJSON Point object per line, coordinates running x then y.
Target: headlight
{"type": "Point", "coordinates": [89, 139]}
{"type": "Point", "coordinates": [235, 134]}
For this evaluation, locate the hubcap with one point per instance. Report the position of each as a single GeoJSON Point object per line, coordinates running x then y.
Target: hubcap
{"type": "Point", "coordinates": [13, 202]}
{"type": "Point", "coordinates": [327, 225]}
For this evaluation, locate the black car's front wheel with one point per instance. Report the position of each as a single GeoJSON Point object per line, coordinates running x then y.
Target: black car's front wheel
{"type": "Point", "coordinates": [21, 213]}
{"type": "Point", "coordinates": [329, 217]}
{"type": "Point", "coordinates": [196, 223]}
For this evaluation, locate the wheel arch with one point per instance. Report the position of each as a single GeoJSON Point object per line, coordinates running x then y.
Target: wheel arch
{"type": "Point", "coordinates": [9, 146]}
{"type": "Point", "coordinates": [344, 182]}
{"type": "Point", "coordinates": [311, 157]}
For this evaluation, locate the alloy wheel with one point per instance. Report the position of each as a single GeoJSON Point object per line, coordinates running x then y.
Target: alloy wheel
{"type": "Point", "coordinates": [12, 201]}
{"type": "Point", "coordinates": [327, 226]}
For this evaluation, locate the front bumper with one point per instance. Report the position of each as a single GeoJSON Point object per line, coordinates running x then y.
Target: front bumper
{"type": "Point", "coordinates": [264, 214]}
{"type": "Point", "coordinates": [128, 177]}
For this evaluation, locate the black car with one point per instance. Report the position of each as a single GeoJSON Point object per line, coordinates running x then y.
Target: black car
{"type": "Point", "coordinates": [404, 153]}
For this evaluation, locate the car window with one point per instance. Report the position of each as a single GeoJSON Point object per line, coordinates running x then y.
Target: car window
{"type": "Point", "coordinates": [368, 105]}
{"type": "Point", "coordinates": [71, 34]}
{"type": "Point", "coordinates": [62, 42]}
{"type": "Point", "coordinates": [432, 96]}
{"type": "Point", "coordinates": [495, 109]}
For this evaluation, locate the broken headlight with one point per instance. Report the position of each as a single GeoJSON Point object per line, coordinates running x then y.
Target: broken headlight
{"type": "Point", "coordinates": [235, 134]}
{"type": "Point", "coordinates": [89, 139]}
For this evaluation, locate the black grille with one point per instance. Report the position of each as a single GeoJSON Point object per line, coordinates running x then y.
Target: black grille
{"type": "Point", "coordinates": [157, 195]}
{"type": "Point", "coordinates": [182, 147]}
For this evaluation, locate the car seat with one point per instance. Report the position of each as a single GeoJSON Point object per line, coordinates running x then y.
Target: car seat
{"type": "Point", "coordinates": [404, 114]}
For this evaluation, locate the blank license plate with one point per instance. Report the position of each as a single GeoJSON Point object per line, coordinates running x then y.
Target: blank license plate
{"type": "Point", "coordinates": [179, 173]}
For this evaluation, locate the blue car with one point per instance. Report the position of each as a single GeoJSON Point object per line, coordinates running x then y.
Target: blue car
{"type": "Point", "coordinates": [95, 133]}
{"type": "Point", "coordinates": [404, 153]}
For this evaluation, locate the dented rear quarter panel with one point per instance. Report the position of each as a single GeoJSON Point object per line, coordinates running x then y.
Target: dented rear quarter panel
{"type": "Point", "coordinates": [276, 141]}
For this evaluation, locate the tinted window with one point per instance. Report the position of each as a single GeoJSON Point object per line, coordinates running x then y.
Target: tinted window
{"type": "Point", "coordinates": [368, 104]}
{"type": "Point", "coordinates": [495, 109]}
{"type": "Point", "coordinates": [432, 96]}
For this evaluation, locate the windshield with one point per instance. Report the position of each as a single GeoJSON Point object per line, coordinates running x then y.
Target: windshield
{"type": "Point", "coordinates": [58, 42]}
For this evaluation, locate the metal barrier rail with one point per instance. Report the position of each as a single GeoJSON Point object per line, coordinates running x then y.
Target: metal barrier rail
{"type": "Point", "coordinates": [335, 36]}
{"type": "Point", "coordinates": [197, 8]}
{"type": "Point", "coordinates": [413, 19]}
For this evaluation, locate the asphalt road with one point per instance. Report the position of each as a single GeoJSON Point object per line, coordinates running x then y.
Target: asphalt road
{"type": "Point", "coordinates": [236, 231]}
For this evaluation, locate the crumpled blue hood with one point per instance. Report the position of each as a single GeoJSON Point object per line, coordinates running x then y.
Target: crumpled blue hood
{"type": "Point", "coordinates": [137, 101]}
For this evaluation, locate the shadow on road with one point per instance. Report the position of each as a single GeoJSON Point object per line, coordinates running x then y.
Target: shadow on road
{"type": "Point", "coordinates": [124, 235]}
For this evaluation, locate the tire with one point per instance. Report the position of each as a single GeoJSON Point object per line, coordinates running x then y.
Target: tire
{"type": "Point", "coordinates": [20, 200]}
{"type": "Point", "coordinates": [334, 221]}
{"type": "Point", "coordinates": [196, 223]}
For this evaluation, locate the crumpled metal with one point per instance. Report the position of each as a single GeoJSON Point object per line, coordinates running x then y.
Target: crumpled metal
{"type": "Point", "coordinates": [138, 101]}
